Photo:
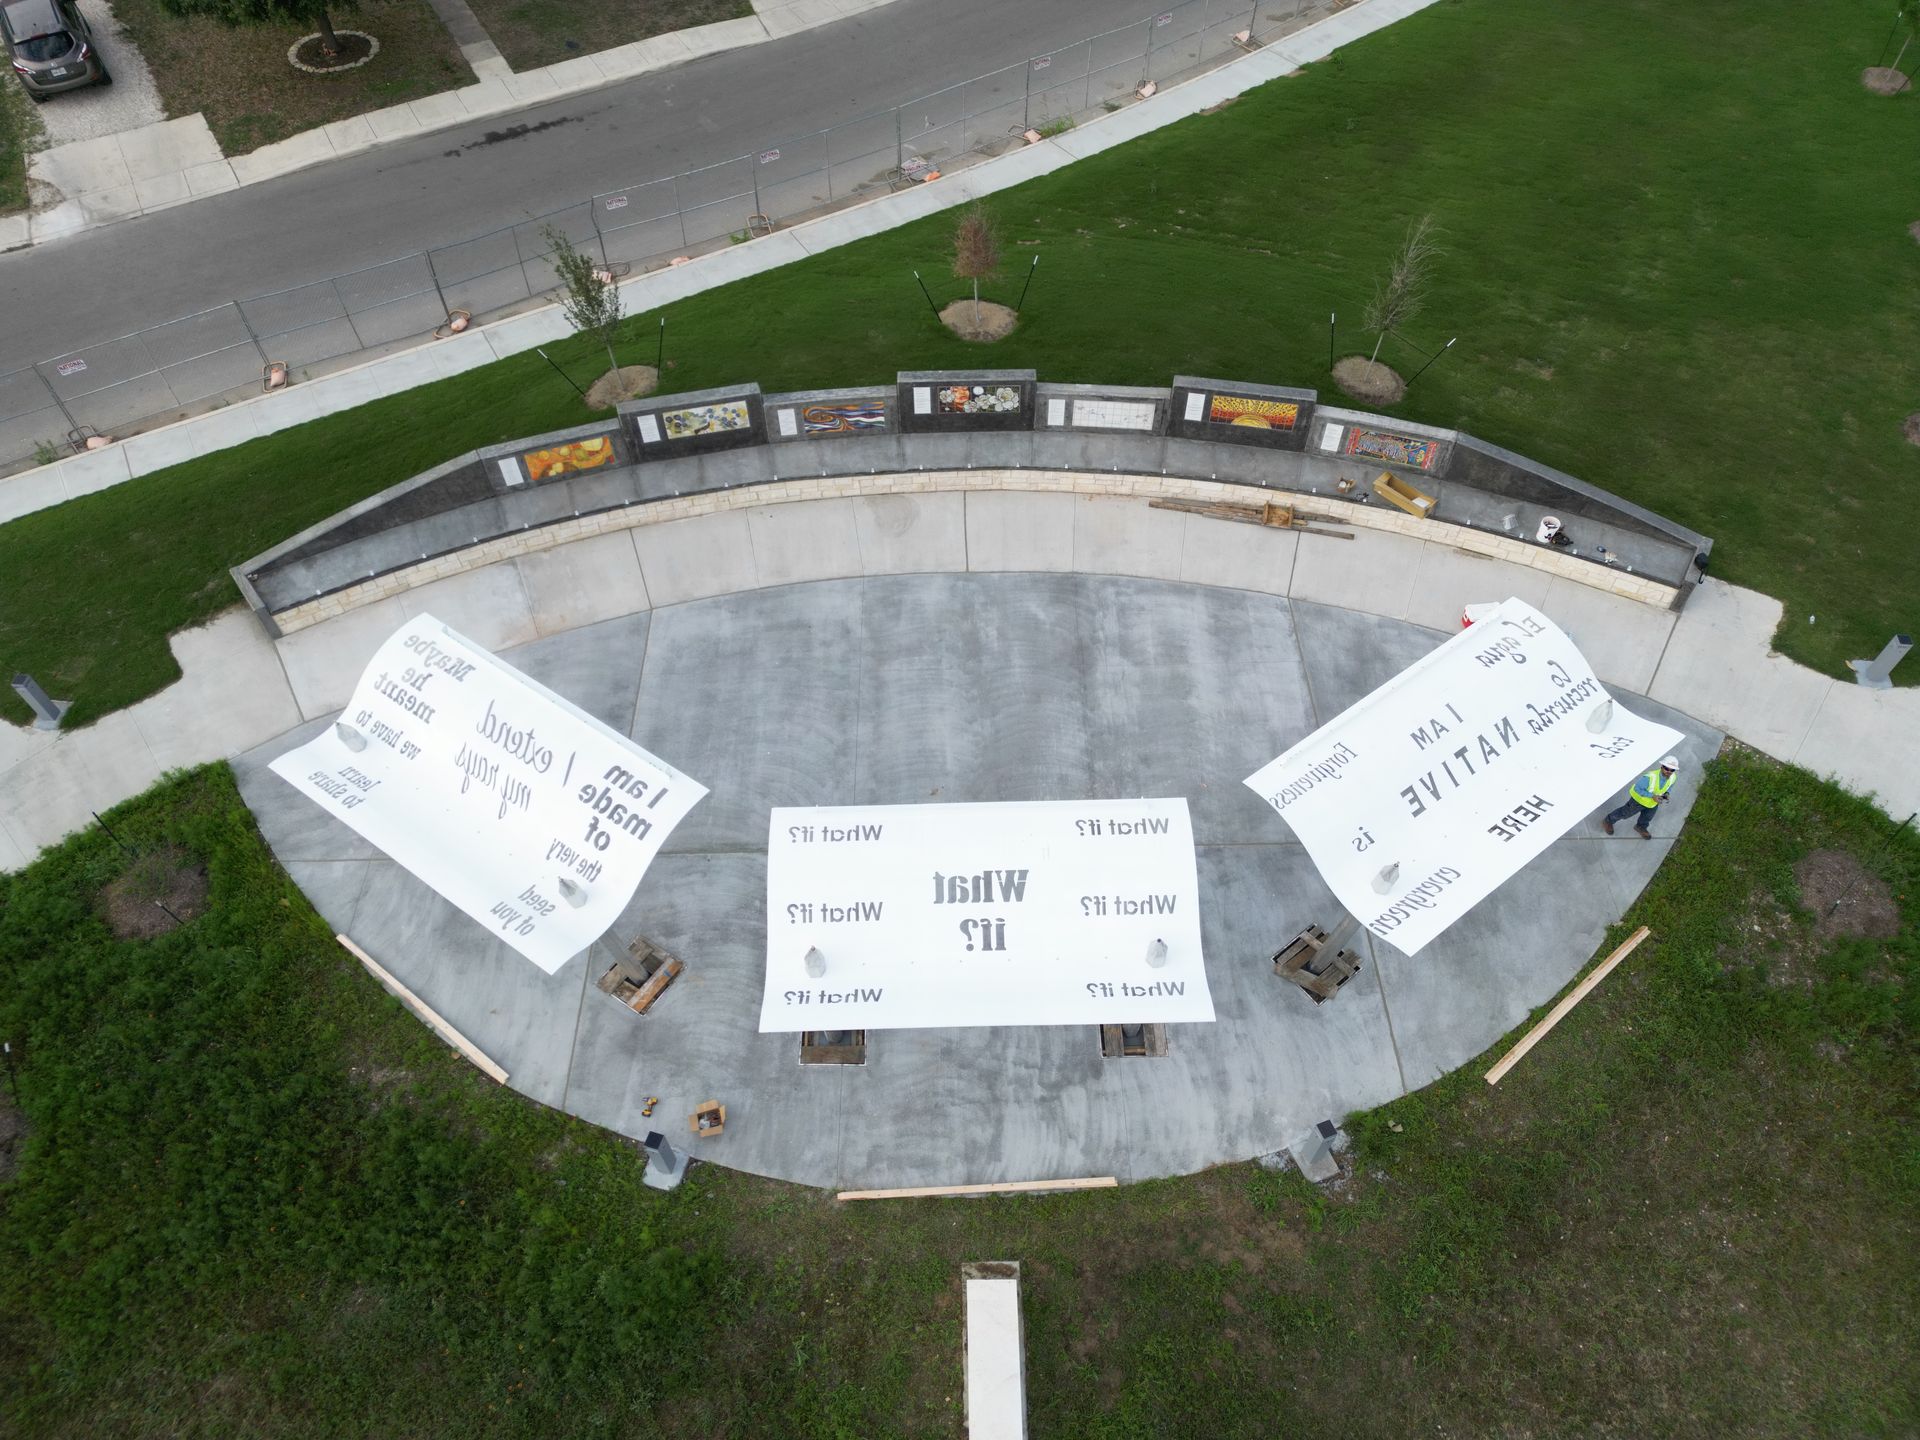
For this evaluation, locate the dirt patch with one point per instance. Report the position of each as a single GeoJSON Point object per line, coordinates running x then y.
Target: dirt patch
{"type": "Point", "coordinates": [1884, 80]}
{"type": "Point", "coordinates": [984, 325]}
{"type": "Point", "coordinates": [1219, 105]}
{"type": "Point", "coordinates": [991, 1270]}
{"type": "Point", "coordinates": [1911, 429]}
{"type": "Point", "coordinates": [1914, 231]}
{"type": "Point", "coordinates": [13, 1138]}
{"type": "Point", "coordinates": [157, 892]}
{"type": "Point", "coordinates": [629, 382]}
{"type": "Point", "coordinates": [1365, 381]}
{"type": "Point", "coordinates": [1767, 935]}
{"type": "Point", "coordinates": [1845, 898]}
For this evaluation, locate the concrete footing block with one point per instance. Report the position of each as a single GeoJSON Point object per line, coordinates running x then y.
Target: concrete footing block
{"type": "Point", "coordinates": [666, 1166]}
{"type": "Point", "coordinates": [1317, 1152]}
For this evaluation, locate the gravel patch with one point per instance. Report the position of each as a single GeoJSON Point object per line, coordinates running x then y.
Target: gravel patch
{"type": "Point", "coordinates": [131, 101]}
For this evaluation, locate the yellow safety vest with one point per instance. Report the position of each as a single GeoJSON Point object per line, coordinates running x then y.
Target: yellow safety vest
{"type": "Point", "coordinates": [1651, 788]}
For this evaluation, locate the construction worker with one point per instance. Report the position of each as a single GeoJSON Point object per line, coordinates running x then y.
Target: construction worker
{"type": "Point", "coordinates": [1645, 797]}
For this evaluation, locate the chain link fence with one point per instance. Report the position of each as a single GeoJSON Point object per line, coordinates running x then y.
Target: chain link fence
{"type": "Point", "coordinates": [168, 371]}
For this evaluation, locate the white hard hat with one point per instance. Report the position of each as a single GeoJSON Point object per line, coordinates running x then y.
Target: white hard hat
{"type": "Point", "coordinates": [1670, 763]}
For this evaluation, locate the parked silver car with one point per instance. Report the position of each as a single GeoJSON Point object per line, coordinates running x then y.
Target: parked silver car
{"type": "Point", "coordinates": [51, 47]}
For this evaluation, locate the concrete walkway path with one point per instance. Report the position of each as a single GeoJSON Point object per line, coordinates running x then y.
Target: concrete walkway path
{"type": "Point", "coordinates": [482, 55]}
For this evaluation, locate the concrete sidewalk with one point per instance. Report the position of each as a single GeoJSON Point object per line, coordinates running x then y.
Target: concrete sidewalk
{"type": "Point", "coordinates": [174, 162]}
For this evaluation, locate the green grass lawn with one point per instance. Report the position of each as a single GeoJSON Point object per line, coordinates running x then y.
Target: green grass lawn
{"type": "Point", "coordinates": [251, 96]}
{"type": "Point", "coordinates": [532, 33]}
{"type": "Point", "coordinates": [17, 127]}
{"type": "Point", "coordinates": [1677, 261]}
{"type": "Point", "coordinates": [244, 1193]}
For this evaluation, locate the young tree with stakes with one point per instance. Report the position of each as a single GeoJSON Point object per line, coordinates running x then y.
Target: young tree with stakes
{"type": "Point", "coordinates": [976, 250]}
{"type": "Point", "coordinates": [234, 13]}
{"type": "Point", "coordinates": [591, 304]}
{"type": "Point", "coordinates": [1906, 16]}
{"type": "Point", "coordinates": [1398, 298]}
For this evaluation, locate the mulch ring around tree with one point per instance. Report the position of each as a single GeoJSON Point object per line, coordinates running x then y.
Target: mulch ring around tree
{"type": "Point", "coordinates": [629, 382]}
{"type": "Point", "coordinates": [1845, 897]}
{"type": "Point", "coordinates": [1884, 80]}
{"type": "Point", "coordinates": [1369, 381]}
{"type": "Point", "coordinates": [992, 322]}
{"type": "Point", "coordinates": [154, 889]}
{"type": "Point", "coordinates": [355, 48]}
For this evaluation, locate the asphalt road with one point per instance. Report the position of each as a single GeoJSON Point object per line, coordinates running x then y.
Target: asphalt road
{"type": "Point", "coordinates": [459, 182]}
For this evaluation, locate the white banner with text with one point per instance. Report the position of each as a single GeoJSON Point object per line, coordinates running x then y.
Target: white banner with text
{"type": "Point", "coordinates": [517, 807]}
{"type": "Point", "coordinates": [1059, 912]}
{"type": "Point", "coordinates": [1422, 799]}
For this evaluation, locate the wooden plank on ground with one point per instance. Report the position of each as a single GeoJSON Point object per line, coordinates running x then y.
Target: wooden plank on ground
{"type": "Point", "coordinates": [1559, 1012]}
{"type": "Point", "coordinates": [426, 1012]}
{"type": "Point", "coordinates": [1007, 1187]}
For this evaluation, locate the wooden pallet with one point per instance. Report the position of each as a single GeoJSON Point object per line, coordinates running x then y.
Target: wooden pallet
{"type": "Point", "coordinates": [1306, 961]}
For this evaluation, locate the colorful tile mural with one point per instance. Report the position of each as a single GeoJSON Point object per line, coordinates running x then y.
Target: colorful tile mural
{"type": "Point", "coordinates": [1391, 449]}
{"type": "Point", "coordinates": [555, 460]}
{"type": "Point", "coordinates": [715, 419]}
{"type": "Point", "coordinates": [844, 419]}
{"type": "Point", "coordinates": [1253, 413]}
{"type": "Point", "coordinates": [979, 399]}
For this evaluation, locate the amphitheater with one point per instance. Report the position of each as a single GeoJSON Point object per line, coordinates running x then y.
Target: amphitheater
{"type": "Point", "coordinates": [875, 597]}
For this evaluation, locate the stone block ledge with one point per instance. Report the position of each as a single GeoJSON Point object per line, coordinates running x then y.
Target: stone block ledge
{"type": "Point", "coordinates": [766, 497]}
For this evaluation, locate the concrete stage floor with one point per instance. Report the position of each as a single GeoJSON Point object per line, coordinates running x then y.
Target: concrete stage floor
{"type": "Point", "coordinates": [977, 687]}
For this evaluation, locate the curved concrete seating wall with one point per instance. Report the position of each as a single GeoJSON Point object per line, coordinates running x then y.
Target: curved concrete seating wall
{"type": "Point", "coordinates": [483, 507]}
{"type": "Point", "coordinates": [505, 591]}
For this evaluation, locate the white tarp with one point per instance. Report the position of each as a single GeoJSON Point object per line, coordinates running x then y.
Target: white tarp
{"type": "Point", "coordinates": [1038, 913]}
{"type": "Point", "coordinates": [523, 811]}
{"type": "Point", "coordinates": [1427, 795]}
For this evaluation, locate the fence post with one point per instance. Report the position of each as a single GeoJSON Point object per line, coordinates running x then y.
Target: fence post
{"type": "Point", "coordinates": [155, 368]}
{"type": "Point", "coordinates": [334, 285]}
{"type": "Point", "coordinates": [54, 395]}
{"type": "Point", "coordinates": [434, 275]}
{"type": "Point", "coordinates": [261, 349]}
{"type": "Point", "coordinates": [593, 217]}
